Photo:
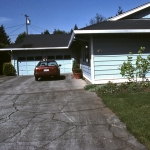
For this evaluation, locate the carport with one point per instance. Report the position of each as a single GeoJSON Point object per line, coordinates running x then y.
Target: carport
{"type": "Point", "coordinates": [27, 53]}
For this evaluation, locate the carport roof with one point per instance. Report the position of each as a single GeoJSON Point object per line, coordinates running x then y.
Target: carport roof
{"type": "Point", "coordinates": [42, 41]}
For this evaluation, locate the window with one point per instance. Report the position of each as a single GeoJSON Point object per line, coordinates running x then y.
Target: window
{"type": "Point", "coordinates": [59, 57]}
{"type": "Point", "coordinates": [52, 63]}
{"type": "Point", "coordinates": [86, 54]}
{"type": "Point", "coordinates": [67, 56]}
{"type": "Point", "coordinates": [51, 57]}
{"type": "Point", "coordinates": [21, 58]}
{"type": "Point", "coordinates": [30, 58]}
{"type": "Point", "coordinates": [47, 63]}
{"type": "Point", "coordinates": [38, 57]}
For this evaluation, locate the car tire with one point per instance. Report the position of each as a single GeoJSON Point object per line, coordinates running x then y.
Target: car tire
{"type": "Point", "coordinates": [36, 78]}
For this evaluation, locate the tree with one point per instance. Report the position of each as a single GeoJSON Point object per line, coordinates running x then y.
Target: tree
{"type": "Point", "coordinates": [57, 31]}
{"type": "Point", "coordinates": [20, 37]}
{"type": "Point", "coordinates": [75, 28]}
{"type": "Point", "coordinates": [45, 32]}
{"type": "Point", "coordinates": [97, 19]}
{"type": "Point", "coordinates": [4, 38]}
{"type": "Point", "coordinates": [137, 70]}
{"type": "Point", "coordinates": [120, 11]}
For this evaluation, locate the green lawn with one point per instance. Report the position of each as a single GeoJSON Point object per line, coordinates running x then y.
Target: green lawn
{"type": "Point", "coordinates": [133, 110]}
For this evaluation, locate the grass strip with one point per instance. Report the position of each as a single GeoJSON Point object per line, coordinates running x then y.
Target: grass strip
{"type": "Point", "coordinates": [133, 110]}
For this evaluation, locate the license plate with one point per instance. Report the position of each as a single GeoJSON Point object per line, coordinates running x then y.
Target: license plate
{"type": "Point", "coordinates": [45, 70]}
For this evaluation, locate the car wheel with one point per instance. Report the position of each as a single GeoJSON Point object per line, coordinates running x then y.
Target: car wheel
{"type": "Point", "coordinates": [36, 78]}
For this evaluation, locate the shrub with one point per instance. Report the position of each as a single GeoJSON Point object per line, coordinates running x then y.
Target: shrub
{"type": "Point", "coordinates": [76, 67]}
{"type": "Point", "coordinates": [142, 67]}
{"type": "Point", "coordinates": [113, 88]}
{"type": "Point", "coordinates": [89, 86]}
{"type": "Point", "coordinates": [8, 69]}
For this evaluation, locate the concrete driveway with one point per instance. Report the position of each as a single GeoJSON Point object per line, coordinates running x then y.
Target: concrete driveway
{"type": "Point", "coordinates": [58, 115]}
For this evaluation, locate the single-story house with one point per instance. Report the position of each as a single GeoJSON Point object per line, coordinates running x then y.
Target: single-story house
{"type": "Point", "coordinates": [100, 49]}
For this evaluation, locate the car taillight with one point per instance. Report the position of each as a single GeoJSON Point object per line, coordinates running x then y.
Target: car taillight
{"type": "Point", "coordinates": [36, 69]}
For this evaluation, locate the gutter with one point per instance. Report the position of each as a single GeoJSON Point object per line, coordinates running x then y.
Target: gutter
{"type": "Point", "coordinates": [40, 48]}
{"type": "Point", "coordinates": [112, 31]}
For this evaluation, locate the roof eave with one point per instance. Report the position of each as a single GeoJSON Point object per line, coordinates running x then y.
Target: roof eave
{"type": "Point", "coordinates": [39, 48]}
{"type": "Point", "coordinates": [71, 39]}
{"type": "Point", "coordinates": [112, 31]}
{"type": "Point", "coordinates": [129, 12]}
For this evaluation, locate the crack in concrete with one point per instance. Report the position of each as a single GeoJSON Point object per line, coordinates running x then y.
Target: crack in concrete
{"type": "Point", "coordinates": [43, 147]}
{"type": "Point", "coordinates": [16, 110]}
{"type": "Point", "coordinates": [14, 105]}
{"type": "Point", "coordinates": [22, 128]}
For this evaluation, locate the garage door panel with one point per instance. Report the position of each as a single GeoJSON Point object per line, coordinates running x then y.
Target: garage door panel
{"type": "Point", "coordinates": [22, 63]}
{"type": "Point", "coordinates": [26, 67]}
{"type": "Point", "coordinates": [67, 70]}
{"type": "Point", "coordinates": [22, 72]}
{"type": "Point", "coordinates": [31, 63]}
{"type": "Point", "coordinates": [66, 61]}
{"type": "Point", "coordinates": [30, 67]}
{"type": "Point", "coordinates": [67, 66]}
{"type": "Point", "coordinates": [30, 72]}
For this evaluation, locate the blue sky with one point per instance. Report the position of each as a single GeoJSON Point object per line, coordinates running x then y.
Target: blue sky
{"type": "Point", "coordinates": [56, 14]}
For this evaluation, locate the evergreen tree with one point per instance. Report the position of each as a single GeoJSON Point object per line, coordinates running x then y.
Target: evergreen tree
{"type": "Point", "coordinates": [20, 37]}
{"type": "Point", "coordinates": [4, 38]}
{"type": "Point", "coordinates": [45, 32]}
{"type": "Point", "coordinates": [57, 31]}
{"type": "Point", "coordinates": [120, 11]}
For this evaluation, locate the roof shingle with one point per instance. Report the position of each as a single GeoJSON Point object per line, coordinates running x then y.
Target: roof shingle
{"type": "Point", "coordinates": [43, 40]}
{"type": "Point", "coordinates": [120, 24]}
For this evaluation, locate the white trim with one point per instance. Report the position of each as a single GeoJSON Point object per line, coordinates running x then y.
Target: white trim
{"type": "Point", "coordinates": [71, 39]}
{"type": "Point", "coordinates": [87, 78]}
{"type": "Point", "coordinates": [92, 59]}
{"type": "Point", "coordinates": [104, 81]}
{"type": "Point", "coordinates": [112, 31]}
{"type": "Point", "coordinates": [39, 48]}
{"type": "Point", "coordinates": [130, 12]}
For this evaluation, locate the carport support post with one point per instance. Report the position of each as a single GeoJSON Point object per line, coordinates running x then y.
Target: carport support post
{"type": "Point", "coordinates": [92, 59]}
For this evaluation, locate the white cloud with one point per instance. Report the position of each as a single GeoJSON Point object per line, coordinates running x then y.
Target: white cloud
{"type": "Point", "coordinates": [4, 20]}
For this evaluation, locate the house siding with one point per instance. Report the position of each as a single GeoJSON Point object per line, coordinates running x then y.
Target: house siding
{"type": "Point", "coordinates": [86, 71]}
{"type": "Point", "coordinates": [111, 51]}
{"type": "Point", "coordinates": [107, 66]}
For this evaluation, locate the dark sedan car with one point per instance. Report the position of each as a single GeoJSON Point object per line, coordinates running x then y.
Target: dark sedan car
{"type": "Point", "coordinates": [48, 68]}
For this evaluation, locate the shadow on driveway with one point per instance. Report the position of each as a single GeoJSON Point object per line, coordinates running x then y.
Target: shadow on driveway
{"type": "Point", "coordinates": [62, 77]}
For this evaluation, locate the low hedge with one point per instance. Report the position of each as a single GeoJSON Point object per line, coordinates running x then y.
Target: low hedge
{"type": "Point", "coordinates": [8, 69]}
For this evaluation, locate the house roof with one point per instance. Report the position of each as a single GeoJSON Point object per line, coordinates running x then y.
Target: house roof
{"type": "Point", "coordinates": [130, 12]}
{"type": "Point", "coordinates": [110, 27]}
{"type": "Point", "coordinates": [42, 41]}
{"type": "Point", "coordinates": [120, 24]}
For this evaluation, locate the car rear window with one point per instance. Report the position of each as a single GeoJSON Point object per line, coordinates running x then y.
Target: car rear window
{"type": "Point", "coordinates": [47, 63]}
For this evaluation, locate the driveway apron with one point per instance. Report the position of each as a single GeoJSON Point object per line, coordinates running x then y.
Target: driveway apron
{"type": "Point", "coordinates": [58, 115]}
